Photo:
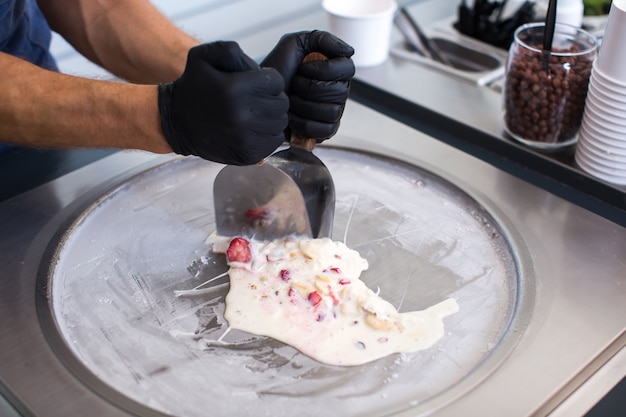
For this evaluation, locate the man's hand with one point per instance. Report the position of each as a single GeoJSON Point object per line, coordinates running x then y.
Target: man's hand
{"type": "Point", "coordinates": [224, 107]}
{"type": "Point", "coordinates": [317, 90]}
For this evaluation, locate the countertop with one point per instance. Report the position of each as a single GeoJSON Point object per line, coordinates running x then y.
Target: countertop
{"type": "Point", "coordinates": [454, 112]}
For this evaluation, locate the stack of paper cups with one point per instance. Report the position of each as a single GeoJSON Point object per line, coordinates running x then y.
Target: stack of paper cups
{"type": "Point", "coordinates": [601, 148]}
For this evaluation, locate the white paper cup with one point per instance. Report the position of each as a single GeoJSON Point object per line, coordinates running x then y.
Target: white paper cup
{"type": "Point", "coordinates": [611, 152]}
{"type": "Point", "coordinates": [611, 159]}
{"type": "Point", "coordinates": [609, 126]}
{"type": "Point", "coordinates": [616, 96]}
{"type": "Point", "coordinates": [598, 164]}
{"type": "Point", "coordinates": [618, 134]}
{"type": "Point", "coordinates": [609, 107]}
{"type": "Point", "coordinates": [603, 113]}
{"type": "Point", "coordinates": [597, 172]}
{"type": "Point", "coordinates": [608, 140]}
{"type": "Point", "coordinates": [607, 93]}
{"type": "Point", "coordinates": [605, 79]}
{"type": "Point", "coordinates": [612, 56]}
{"type": "Point", "coordinates": [365, 25]}
{"type": "Point", "coordinates": [602, 159]}
{"type": "Point", "coordinates": [608, 144]}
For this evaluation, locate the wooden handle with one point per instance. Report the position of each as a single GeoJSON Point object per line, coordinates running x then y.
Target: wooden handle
{"type": "Point", "coordinates": [307, 143]}
{"type": "Point", "coordinates": [314, 56]}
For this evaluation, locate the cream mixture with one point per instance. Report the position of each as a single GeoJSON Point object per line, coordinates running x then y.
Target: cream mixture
{"type": "Point", "coordinates": [307, 294]}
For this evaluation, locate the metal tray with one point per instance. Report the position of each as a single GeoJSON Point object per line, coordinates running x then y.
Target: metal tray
{"type": "Point", "coordinates": [107, 305]}
{"type": "Point", "coordinates": [474, 62]}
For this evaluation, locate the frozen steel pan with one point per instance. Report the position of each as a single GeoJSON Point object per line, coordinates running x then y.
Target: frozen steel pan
{"type": "Point", "coordinates": [107, 296]}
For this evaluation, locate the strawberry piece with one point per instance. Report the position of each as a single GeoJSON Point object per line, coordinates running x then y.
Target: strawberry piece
{"type": "Point", "coordinates": [239, 250]}
{"type": "Point", "coordinates": [285, 275]}
{"type": "Point", "coordinates": [314, 298]}
{"type": "Point", "coordinates": [344, 281]}
{"type": "Point", "coordinates": [333, 296]}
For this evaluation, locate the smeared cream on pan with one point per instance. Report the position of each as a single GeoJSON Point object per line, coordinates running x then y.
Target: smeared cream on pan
{"type": "Point", "coordinates": [307, 293]}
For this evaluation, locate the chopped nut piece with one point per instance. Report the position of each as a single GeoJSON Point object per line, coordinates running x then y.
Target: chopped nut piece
{"type": "Point", "coordinates": [374, 322]}
{"type": "Point", "coordinates": [321, 287]}
{"type": "Point", "coordinates": [302, 288]}
{"type": "Point", "coordinates": [323, 277]}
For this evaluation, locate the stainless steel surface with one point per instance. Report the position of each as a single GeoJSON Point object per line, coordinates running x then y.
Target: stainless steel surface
{"type": "Point", "coordinates": [411, 35]}
{"type": "Point", "coordinates": [574, 325]}
{"type": "Point", "coordinates": [475, 63]}
{"type": "Point", "coordinates": [414, 87]}
{"type": "Point", "coordinates": [469, 59]}
{"type": "Point", "coordinates": [108, 296]}
{"type": "Point", "coordinates": [416, 38]}
{"type": "Point", "coordinates": [260, 201]}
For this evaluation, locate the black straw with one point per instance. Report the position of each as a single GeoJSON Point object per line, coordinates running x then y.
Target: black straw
{"type": "Point", "coordinates": [548, 34]}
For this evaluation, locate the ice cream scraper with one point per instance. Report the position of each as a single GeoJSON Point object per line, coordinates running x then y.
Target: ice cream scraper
{"type": "Point", "coordinates": [291, 192]}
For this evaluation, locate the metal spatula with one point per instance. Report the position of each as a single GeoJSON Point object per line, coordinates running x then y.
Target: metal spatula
{"type": "Point", "coordinates": [259, 201]}
{"type": "Point", "coordinates": [312, 179]}
{"type": "Point", "coordinates": [292, 192]}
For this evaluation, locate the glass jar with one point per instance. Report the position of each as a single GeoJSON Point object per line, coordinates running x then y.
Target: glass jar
{"type": "Point", "coordinates": [544, 95]}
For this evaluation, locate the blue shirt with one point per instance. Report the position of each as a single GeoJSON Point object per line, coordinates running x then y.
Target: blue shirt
{"type": "Point", "coordinates": [25, 33]}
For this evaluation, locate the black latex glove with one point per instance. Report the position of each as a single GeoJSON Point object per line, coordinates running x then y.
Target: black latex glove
{"type": "Point", "coordinates": [224, 107]}
{"type": "Point", "coordinates": [317, 90]}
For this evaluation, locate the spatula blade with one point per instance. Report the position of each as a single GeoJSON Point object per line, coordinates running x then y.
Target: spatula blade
{"type": "Point", "coordinates": [259, 201]}
{"type": "Point", "coordinates": [315, 184]}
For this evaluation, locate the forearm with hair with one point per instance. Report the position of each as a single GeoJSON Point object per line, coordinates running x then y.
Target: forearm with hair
{"type": "Point", "coordinates": [43, 108]}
